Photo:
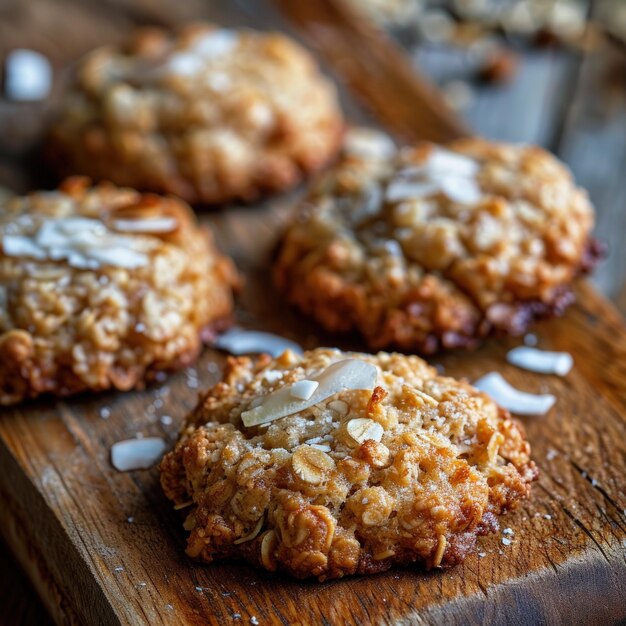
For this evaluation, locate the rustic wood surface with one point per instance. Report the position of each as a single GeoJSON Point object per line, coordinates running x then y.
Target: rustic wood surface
{"type": "Point", "coordinates": [66, 513]}
{"type": "Point", "coordinates": [105, 547]}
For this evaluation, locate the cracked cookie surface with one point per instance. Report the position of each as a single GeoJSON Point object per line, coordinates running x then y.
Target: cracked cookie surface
{"type": "Point", "coordinates": [429, 247]}
{"type": "Point", "coordinates": [103, 287]}
{"type": "Point", "coordinates": [408, 471]}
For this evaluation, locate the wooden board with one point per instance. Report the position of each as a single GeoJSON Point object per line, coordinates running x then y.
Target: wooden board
{"type": "Point", "coordinates": [105, 547]}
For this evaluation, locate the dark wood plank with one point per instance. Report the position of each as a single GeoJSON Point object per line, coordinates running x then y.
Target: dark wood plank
{"type": "Point", "coordinates": [19, 601]}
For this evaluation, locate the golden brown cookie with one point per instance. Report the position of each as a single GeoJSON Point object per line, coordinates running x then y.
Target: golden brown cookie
{"type": "Point", "coordinates": [350, 464]}
{"type": "Point", "coordinates": [102, 287]}
{"type": "Point", "coordinates": [435, 247]}
{"type": "Point", "coordinates": [208, 114]}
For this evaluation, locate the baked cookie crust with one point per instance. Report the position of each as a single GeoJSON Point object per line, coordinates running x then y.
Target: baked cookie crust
{"type": "Point", "coordinates": [208, 114]}
{"type": "Point", "coordinates": [103, 287]}
{"type": "Point", "coordinates": [407, 472]}
{"type": "Point", "coordinates": [429, 247]}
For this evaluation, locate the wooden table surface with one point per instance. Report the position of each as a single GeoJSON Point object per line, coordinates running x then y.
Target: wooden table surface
{"type": "Point", "coordinates": [571, 103]}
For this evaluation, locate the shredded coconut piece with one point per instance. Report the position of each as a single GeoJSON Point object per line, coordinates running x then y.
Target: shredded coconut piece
{"type": "Point", "coordinates": [238, 341]}
{"type": "Point", "coordinates": [304, 389]}
{"type": "Point", "coordinates": [133, 454]}
{"type": "Point", "coordinates": [369, 143]}
{"type": "Point", "coordinates": [541, 361]}
{"type": "Point", "coordinates": [152, 225]}
{"type": "Point", "coordinates": [28, 75]}
{"type": "Point", "coordinates": [346, 374]}
{"type": "Point", "coordinates": [85, 243]}
{"type": "Point", "coordinates": [512, 399]}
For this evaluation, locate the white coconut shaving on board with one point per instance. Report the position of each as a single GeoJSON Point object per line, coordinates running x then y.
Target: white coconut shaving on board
{"type": "Point", "coordinates": [27, 76]}
{"type": "Point", "coordinates": [541, 361]}
{"type": "Point", "coordinates": [239, 341]}
{"type": "Point", "coordinates": [134, 454]}
{"type": "Point", "coordinates": [512, 399]}
{"type": "Point", "coordinates": [346, 374]}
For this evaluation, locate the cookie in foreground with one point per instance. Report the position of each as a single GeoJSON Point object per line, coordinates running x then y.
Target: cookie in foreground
{"type": "Point", "coordinates": [206, 113]}
{"type": "Point", "coordinates": [103, 287]}
{"type": "Point", "coordinates": [433, 247]}
{"type": "Point", "coordinates": [349, 464]}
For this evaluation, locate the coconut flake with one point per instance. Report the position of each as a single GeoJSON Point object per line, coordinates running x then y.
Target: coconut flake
{"type": "Point", "coordinates": [542, 361]}
{"type": "Point", "coordinates": [216, 43]}
{"type": "Point", "coordinates": [118, 257]}
{"type": "Point", "coordinates": [151, 225]}
{"type": "Point", "coordinates": [443, 172]}
{"type": "Point", "coordinates": [369, 144]}
{"type": "Point", "coordinates": [304, 389]}
{"type": "Point", "coordinates": [85, 243]}
{"type": "Point", "coordinates": [512, 399]}
{"type": "Point", "coordinates": [28, 75]}
{"type": "Point", "coordinates": [346, 374]}
{"type": "Point", "coordinates": [184, 64]}
{"type": "Point", "coordinates": [449, 163]}
{"type": "Point", "coordinates": [239, 341]}
{"type": "Point", "coordinates": [462, 190]}
{"type": "Point", "coordinates": [401, 189]}
{"type": "Point", "coordinates": [272, 376]}
{"type": "Point", "coordinates": [133, 454]}
{"type": "Point", "coordinates": [16, 245]}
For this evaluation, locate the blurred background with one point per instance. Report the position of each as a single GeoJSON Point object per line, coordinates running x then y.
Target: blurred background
{"type": "Point", "coordinates": [548, 72]}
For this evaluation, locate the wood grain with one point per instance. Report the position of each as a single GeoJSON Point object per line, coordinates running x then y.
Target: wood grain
{"type": "Point", "coordinates": [569, 538]}
{"type": "Point", "coordinates": [106, 548]}
{"type": "Point", "coordinates": [375, 70]}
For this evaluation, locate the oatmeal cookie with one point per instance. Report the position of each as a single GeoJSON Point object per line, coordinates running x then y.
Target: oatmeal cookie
{"type": "Point", "coordinates": [208, 114]}
{"type": "Point", "coordinates": [349, 464]}
{"type": "Point", "coordinates": [430, 247]}
{"type": "Point", "coordinates": [103, 287]}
